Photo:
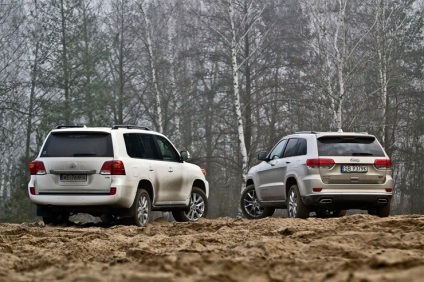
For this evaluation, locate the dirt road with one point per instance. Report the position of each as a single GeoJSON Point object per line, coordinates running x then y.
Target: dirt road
{"type": "Point", "coordinates": [353, 248]}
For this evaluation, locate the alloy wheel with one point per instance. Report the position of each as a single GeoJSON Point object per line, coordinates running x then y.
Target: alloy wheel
{"type": "Point", "coordinates": [196, 207]}
{"type": "Point", "coordinates": [251, 204]}
{"type": "Point", "coordinates": [143, 210]}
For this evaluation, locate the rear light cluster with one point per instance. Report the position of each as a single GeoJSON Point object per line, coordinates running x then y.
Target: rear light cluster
{"type": "Point", "coordinates": [326, 163]}
{"type": "Point", "coordinates": [383, 163]}
{"type": "Point", "coordinates": [114, 167]}
{"type": "Point", "coordinates": [37, 168]}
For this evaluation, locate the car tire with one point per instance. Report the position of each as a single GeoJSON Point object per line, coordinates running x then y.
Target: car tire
{"type": "Point", "coordinates": [330, 213]}
{"type": "Point", "coordinates": [383, 211]}
{"type": "Point", "coordinates": [339, 213]}
{"type": "Point", "coordinates": [197, 207]}
{"type": "Point", "coordinates": [108, 218]}
{"type": "Point", "coordinates": [142, 208]}
{"type": "Point", "coordinates": [295, 206]}
{"type": "Point", "coordinates": [56, 218]}
{"type": "Point", "coordinates": [250, 206]}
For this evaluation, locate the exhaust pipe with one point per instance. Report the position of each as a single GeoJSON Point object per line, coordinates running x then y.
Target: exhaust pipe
{"type": "Point", "coordinates": [382, 201]}
{"type": "Point", "coordinates": [325, 201]}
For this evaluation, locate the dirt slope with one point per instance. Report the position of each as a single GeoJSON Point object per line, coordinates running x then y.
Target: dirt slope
{"type": "Point", "coordinates": [353, 248]}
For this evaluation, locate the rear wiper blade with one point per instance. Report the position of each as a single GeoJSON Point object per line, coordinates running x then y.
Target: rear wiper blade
{"type": "Point", "coordinates": [362, 154]}
{"type": "Point", "coordinates": [84, 155]}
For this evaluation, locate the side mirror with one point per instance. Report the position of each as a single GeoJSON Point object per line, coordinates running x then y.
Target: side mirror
{"type": "Point", "coordinates": [262, 155]}
{"type": "Point", "coordinates": [185, 155]}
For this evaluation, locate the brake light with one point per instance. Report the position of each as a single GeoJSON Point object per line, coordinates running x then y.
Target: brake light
{"type": "Point", "coordinates": [37, 168]}
{"type": "Point", "coordinates": [114, 167]}
{"type": "Point", "coordinates": [320, 162]}
{"type": "Point", "coordinates": [383, 163]}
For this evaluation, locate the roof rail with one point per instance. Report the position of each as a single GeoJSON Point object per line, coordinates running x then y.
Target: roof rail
{"type": "Point", "coordinates": [306, 132]}
{"type": "Point", "coordinates": [71, 126]}
{"type": "Point", "coordinates": [130, 127]}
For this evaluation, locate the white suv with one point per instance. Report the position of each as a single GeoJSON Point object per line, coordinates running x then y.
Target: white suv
{"type": "Point", "coordinates": [322, 172]}
{"type": "Point", "coordinates": [119, 173]}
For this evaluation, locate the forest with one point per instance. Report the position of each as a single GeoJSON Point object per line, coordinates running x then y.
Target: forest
{"type": "Point", "coordinates": [220, 78]}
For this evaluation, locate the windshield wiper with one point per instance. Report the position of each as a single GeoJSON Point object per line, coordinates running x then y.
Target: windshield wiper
{"type": "Point", "coordinates": [85, 155]}
{"type": "Point", "coordinates": [362, 154]}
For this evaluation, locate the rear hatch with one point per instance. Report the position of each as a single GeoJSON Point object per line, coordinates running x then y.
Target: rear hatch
{"type": "Point", "coordinates": [73, 161]}
{"type": "Point", "coordinates": [352, 159]}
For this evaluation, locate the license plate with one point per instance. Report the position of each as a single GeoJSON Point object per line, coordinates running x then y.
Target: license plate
{"type": "Point", "coordinates": [354, 168]}
{"type": "Point", "coordinates": [73, 178]}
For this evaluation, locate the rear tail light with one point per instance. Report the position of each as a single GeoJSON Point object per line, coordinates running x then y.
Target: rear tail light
{"type": "Point", "coordinates": [383, 163]}
{"type": "Point", "coordinates": [325, 163]}
{"type": "Point", "coordinates": [317, 189]}
{"type": "Point", "coordinates": [389, 190]}
{"type": "Point", "coordinates": [203, 171]}
{"type": "Point", "coordinates": [32, 190]}
{"type": "Point", "coordinates": [112, 190]}
{"type": "Point", "coordinates": [114, 167]}
{"type": "Point", "coordinates": [37, 168]}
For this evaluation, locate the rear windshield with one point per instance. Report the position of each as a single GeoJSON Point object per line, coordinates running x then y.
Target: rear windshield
{"type": "Point", "coordinates": [78, 144]}
{"type": "Point", "coordinates": [349, 146]}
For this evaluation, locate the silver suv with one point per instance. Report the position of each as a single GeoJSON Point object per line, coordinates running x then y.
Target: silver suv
{"type": "Point", "coordinates": [322, 172]}
{"type": "Point", "coordinates": [118, 174]}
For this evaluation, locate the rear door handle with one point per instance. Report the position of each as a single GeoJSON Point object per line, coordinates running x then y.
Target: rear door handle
{"type": "Point", "coordinates": [151, 168]}
{"type": "Point", "coordinates": [170, 169]}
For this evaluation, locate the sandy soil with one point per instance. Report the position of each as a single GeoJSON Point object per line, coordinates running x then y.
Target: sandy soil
{"type": "Point", "coordinates": [353, 248]}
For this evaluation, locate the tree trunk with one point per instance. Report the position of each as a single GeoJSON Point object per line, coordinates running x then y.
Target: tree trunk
{"type": "Point", "coordinates": [65, 66]}
{"type": "Point", "coordinates": [149, 43]}
{"type": "Point", "coordinates": [236, 91]}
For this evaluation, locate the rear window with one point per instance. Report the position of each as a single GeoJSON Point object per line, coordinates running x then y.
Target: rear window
{"type": "Point", "coordinates": [349, 146]}
{"type": "Point", "coordinates": [78, 144]}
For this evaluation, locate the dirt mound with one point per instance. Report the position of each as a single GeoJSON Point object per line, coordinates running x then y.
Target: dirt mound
{"type": "Point", "coordinates": [352, 248]}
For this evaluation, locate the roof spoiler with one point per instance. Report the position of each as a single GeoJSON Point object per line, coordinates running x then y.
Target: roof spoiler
{"type": "Point", "coordinates": [70, 126]}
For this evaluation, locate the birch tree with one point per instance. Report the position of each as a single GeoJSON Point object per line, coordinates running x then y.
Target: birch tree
{"type": "Point", "coordinates": [91, 83]}
{"type": "Point", "coordinates": [152, 61]}
{"type": "Point", "coordinates": [123, 57]}
{"type": "Point", "coordinates": [12, 96]}
{"type": "Point", "coordinates": [336, 45]}
{"type": "Point", "coordinates": [395, 28]}
{"type": "Point", "coordinates": [241, 17]}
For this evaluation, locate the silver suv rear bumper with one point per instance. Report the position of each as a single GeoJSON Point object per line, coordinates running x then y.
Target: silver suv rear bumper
{"type": "Point", "coordinates": [346, 201]}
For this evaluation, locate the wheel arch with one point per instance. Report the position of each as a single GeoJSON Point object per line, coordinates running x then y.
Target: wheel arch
{"type": "Point", "coordinates": [147, 185]}
{"type": "Point", "coordinates": [249, 182]}
{"type": "Point", "coordinates": [200, 184]}
{"type": "Point", "coordinates": [289, 182]}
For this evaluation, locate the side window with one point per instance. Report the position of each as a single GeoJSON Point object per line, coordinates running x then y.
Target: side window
{"type": "Point", "coordinates": [132, 146]}
{"type": "Point", "coordinates": [291, 148]}
{"type": "Point", "coordinates": [278, 150]}
{"type": "Point", "coordinates": [167, 150]}
{"type": "Point", "coordinates": [301, 147]}
{"type": "Point", "coordinates": [140, 146]}
{"type": "Point", "coordinates": [147, 144]}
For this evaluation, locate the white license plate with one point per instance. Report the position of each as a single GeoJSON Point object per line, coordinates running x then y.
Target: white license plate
{"type": "Point", "coordinates": [354, 168]}
{"type": "Point", "coordinates": [73, 178]}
